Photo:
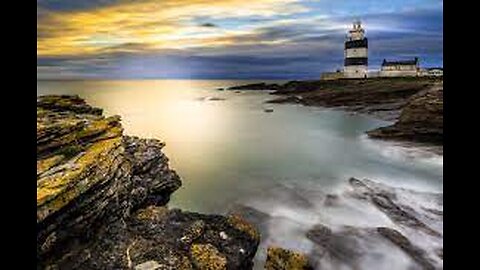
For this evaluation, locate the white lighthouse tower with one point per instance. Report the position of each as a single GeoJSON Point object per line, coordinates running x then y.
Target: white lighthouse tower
{"type": "Point", "coordinates": [356, 53]}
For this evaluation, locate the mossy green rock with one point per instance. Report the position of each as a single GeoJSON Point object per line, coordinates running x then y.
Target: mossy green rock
{"type": "Point", "coordinates": [101, 200]}
{"type": "Point", "coordinates": [284, 259]}
{"type": "Point", "coordinates": [207, 257]}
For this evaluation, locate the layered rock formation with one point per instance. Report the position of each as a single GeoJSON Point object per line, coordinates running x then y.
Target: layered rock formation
{"type": "Point", "coordinates": [101, 200]}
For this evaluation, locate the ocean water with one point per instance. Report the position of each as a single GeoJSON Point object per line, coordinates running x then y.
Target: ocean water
{"type": "Point", "coordinates": [230, 152]}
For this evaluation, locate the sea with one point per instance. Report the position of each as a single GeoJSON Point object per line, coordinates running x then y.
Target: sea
{"type": "Point", "coordinates": [231, 150]}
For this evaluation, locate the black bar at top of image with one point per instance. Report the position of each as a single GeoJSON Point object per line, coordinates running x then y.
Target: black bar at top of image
{"type": "Point", "coordinates": [356, 61]}
{"type": "Point", "coordinates": [362, 43]}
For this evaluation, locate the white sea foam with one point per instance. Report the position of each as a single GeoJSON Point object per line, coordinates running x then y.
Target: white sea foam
{"type": "Point", "coordinates": [398, 151]}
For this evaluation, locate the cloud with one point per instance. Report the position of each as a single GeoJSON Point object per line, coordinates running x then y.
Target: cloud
{"type": "Point", "coordinates": [157, 24]}
{"type": "Point", "coordinates": [257, 39]}
{"type": "Point", "coordinates": [208, 25]}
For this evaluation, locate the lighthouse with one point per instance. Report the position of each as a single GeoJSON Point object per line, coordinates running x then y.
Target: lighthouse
{"type": "Point", "coordinates": [356, 52]}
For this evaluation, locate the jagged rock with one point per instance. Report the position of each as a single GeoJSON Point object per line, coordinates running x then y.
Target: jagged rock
{"type": "Point", "coordinates": [152, 179]}
{"type": "Point", "coordinates": [171, 238]}
{"type": "Point", "coordinates": [63, 103]}
{"type": "Point", "coordinates": [101, 200]}
{"type": "Point", "coordinates": [421, 119]}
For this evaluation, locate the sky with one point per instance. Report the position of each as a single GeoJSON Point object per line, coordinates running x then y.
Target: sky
{"type": "Point", "coordinates": [227, 39]}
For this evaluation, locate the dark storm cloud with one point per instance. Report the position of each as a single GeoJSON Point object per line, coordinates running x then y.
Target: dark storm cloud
{"type": "Point", "coordinates": [208, 25]}
{"type": "Point", "coordinates": [68, 5]}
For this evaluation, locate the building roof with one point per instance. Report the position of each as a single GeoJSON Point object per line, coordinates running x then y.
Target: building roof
{"type": "Point", "coordinates": [400, 63]}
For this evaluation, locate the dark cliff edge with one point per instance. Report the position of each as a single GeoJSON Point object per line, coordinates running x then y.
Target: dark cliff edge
{"type": "Point", "coordinates": [101, 200]}
{"type": "Point", "coordinates": [421, 119]}
{"type": "Point", "coordinates": [415, 103]}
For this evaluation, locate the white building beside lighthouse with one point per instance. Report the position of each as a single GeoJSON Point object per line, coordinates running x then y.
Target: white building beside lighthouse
{"type": "Point", "coordinates": [356, 53]}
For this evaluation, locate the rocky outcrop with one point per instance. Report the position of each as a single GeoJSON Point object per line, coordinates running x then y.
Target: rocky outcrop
{"type": "Point", "coordinates": [381, 97]}
{"type": "Point", "coordinates": [101, 200]}
{"type": "Point", "coordinates": [417, 103]}
{"type": "Point", "coordinates": [255, 86]}
{"type": "Point", "coordinates": [421, 119]}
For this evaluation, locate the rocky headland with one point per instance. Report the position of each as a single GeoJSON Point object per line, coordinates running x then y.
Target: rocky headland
{"type": "Point", "coordinates": [421, 118]}
{"type": "Point", "coordinates": [415, 104]}
{"type": "Point", "coordinates": [102, 200]}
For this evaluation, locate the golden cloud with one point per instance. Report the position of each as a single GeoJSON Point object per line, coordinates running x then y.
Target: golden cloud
{"type": "Point", "coordinates": [166, 24]}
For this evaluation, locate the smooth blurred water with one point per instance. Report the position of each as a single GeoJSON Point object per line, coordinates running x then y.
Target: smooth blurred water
{"type": "Point", "coordinates": [231, 151]}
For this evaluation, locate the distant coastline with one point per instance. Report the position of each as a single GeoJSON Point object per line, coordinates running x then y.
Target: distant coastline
{"type": "Point", "coordinates": [415, 103]}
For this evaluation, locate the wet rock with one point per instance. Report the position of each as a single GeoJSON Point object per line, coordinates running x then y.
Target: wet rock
{"type": "Point", "coordinates": [331, 200]}
{"type": "Point", "coordinates": [283, 259]}
{"type": "Point", "coordinates": [342, 246]}
{"type": "Point", "coordinates": [385, 201]}
{"type": "Point", "coordinates": [417, 214]}
{"type": "Point", "coordinates": [250, 214]}
{"type": "Point", "coordinates": [416, 253]}
{"type": "Point", "coordinates": [101, 200]}
{"type": "Point", "coordinates": [241, 224]}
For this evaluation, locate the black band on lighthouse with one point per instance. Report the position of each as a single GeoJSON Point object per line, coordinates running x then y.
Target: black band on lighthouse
{"type": "Point", "coordinates": [356, 61]}
{"type": "Point", "coordinates": [362, 43]}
